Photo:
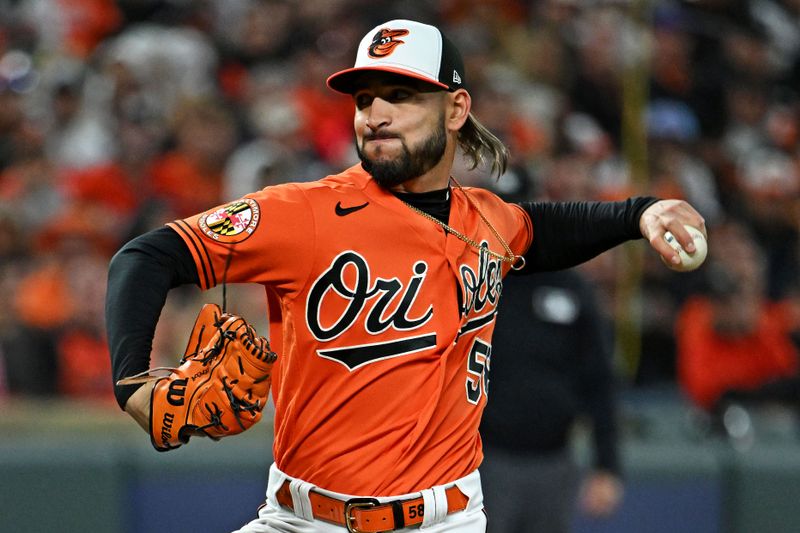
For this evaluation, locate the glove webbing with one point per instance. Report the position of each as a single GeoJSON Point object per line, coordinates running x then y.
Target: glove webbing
{"type": "Point", "coordinates": [237, 405]}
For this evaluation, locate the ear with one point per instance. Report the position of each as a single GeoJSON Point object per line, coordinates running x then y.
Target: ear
{"type": "Point", "coordinates": [460, 104]}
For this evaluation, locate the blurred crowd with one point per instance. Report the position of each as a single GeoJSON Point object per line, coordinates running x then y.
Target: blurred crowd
{"type": "Point", "coordinates": [118, 116]}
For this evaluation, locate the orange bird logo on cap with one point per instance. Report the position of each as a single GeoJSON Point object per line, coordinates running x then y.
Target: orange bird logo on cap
{"type": "Point", "coordinates": [384, 42]}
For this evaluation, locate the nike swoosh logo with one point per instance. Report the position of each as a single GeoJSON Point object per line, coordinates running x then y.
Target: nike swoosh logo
{"type": "Point", "coordinates": [344, 211]}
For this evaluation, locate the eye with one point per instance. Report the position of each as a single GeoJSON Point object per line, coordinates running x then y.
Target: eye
{"type": "Point", "coordinates": [363, 100]}
{"type": "Point", "coordinates": [399, 94]}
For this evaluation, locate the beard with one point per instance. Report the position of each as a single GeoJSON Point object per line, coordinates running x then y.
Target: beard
{"type": "Point", "coordinates": [411, 163]}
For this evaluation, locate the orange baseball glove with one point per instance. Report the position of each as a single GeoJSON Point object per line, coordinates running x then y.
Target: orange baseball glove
{"type": "Point", "coordinates": [220, 387]}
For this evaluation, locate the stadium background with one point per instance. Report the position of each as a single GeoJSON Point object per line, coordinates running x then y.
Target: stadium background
{"type": "Point", "coordinates": [116, 117]}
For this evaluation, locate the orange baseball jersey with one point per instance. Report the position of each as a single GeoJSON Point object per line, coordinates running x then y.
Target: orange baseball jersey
{"type": "Point", "coordinates": [382, 323]}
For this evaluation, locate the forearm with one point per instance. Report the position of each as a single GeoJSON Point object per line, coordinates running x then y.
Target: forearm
{"type": "Point", "coordinates": [598, 385]}
{"type": "Point", "coordinates": [604, 431]}
{"type": "Point", "coordinates": [569, 233]}
{"type": "Point", "coordinates": [139, 279]}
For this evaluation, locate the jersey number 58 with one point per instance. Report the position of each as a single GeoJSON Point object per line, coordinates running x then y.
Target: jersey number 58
{"type": "Point", "coordinates": [478, 370]}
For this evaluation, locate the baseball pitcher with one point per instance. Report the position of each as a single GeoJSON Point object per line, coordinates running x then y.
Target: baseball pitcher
{"type": "Point", "coordinates": [382, 284]}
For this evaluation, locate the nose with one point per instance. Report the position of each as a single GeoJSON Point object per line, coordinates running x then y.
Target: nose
{"type": "Point", "coordinates": [379, 114]}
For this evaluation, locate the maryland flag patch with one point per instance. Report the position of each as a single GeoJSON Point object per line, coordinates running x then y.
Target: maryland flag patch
{"type": "Point", "coordinates": [232, 223]}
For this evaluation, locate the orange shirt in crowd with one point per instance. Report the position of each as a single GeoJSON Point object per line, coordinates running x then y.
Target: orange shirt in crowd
{"type": "Point", "coordinates": [107, 185]}
{"type": "Point", "coordinates": [184, 185]}
{"type": "Point", "coordinates": [709, 363]}
{"type": "Point", "coordinates": [84, 365]}
{"type": "Point", "coordinates": [87, 23]}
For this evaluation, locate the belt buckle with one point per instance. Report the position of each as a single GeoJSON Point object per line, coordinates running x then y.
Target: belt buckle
{"type": "Point", "coordinates": [356, 503]}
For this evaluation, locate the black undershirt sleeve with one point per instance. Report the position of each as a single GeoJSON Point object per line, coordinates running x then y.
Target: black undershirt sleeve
{"type": "Point", "coordinates": [566, 234]}
{"type": "Point", "coordinates": [140, 275]}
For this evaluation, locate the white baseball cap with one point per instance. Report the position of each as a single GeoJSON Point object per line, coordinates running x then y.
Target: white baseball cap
{"type": "Point", "coordinates": [407, 48]}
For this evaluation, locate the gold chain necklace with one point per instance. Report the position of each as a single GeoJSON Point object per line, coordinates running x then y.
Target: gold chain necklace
{"type": "Point", "coordinates": [517, 262]}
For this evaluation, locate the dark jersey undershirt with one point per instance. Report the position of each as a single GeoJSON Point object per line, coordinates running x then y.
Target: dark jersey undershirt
{"type": "Point", "coordinates": [435, 203]}
{"type": "Point", "coordinates": [565, 234]}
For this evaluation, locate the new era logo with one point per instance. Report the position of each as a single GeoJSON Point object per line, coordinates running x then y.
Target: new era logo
{"type": "Point", "coordinates": [456, 77]}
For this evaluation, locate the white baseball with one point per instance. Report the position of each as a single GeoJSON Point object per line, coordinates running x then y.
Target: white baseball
{"type": "Point", "coordinates": [688, 261]}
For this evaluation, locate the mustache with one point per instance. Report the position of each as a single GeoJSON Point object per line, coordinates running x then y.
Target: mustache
{"type": "Point", "coordinates": [379, 135]}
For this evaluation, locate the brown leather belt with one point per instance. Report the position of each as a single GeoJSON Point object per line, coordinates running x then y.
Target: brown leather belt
{"type": "Point", "coordinates": [368, 515]}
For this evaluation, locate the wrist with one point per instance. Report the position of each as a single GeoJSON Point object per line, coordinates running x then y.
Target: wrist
{"type": "Point", "coordinates": [138, 405]}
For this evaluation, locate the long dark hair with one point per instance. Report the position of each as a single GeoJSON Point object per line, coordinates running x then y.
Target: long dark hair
{"type": "Point", "coordinates": [482, 146]}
